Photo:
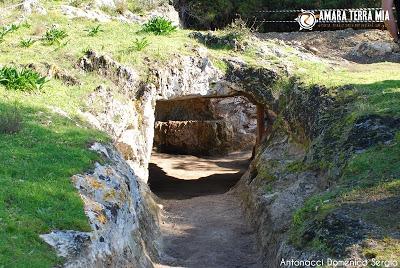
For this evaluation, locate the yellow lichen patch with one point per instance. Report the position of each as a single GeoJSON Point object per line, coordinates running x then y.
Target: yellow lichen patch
{"type": "Point", "coordinates": [109, 195]}
{"type": "Point", "coordinates": [94, 183]}
{"type": "Point", "coordinates": [99, 212]}
{"type": "Point", "coordinates": [74, 179]}
{"type": "Point", "coordinates": [101, 217]}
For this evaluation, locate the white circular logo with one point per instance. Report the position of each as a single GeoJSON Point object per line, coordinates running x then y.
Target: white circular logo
{"type": "Point", "coordinates": [306, 20]}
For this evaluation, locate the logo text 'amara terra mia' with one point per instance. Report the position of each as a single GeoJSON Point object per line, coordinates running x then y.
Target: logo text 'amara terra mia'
{"type": "Point", "coordinates": [308, 19]}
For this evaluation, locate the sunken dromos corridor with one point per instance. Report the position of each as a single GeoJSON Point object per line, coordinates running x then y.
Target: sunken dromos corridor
{"type": "Point", "coordinates": [202, 147]}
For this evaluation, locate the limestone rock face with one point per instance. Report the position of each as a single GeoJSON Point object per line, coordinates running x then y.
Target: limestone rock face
{"type": "Point", "coordinates": [189, 77]}
{"type": "Point", "coordinates": [33, 6]}
{"type": "Point", "coordinates": [179, 123]}
{"type": "Point", "coordinates": [119, 209]}
{"type": "Point", "coordinates": [271, 211]}
{"type": "Point", "coordinates": [106, 4]}
{"type": "Point", "coordinates": [242, 115]}
{"type": "Point", "coordinates": [166, 11]}
{"type": "Point", "coordinates": [74, 12]}
{"type": "Point", "coordinates": [94, 11]}
{"type": "Point", "coordinates": [374, 49]}
{"type": "Point", "coordinates": [194, 137]}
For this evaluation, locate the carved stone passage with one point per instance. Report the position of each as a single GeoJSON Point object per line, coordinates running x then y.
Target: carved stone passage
{"type": "Point", "coordinates": [204, 126]}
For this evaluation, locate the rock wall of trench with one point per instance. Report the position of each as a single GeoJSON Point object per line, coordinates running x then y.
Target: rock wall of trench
{"type": "Point", "coordinates": [271, 190]}
{"type": "Point", "coordinates": [126, 111]}
{"type": "Point", "coordinates": [304, 155]}
{"type": "Point", "coordinates": [117, 200]}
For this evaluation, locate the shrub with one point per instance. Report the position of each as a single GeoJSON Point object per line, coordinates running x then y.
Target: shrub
{"type": "Point", "coordinates": [94, 30]}
{"type": "Point", "coordinates": [238, 30]}
{"type": "Point", "coordinates": [27, 42]}
{"type": "Point", "coordinates": [159, 26]}
{"type": "Point", "coordinates": [54, 36]}
{"type": "Point", "coordinates": [10, 121]}
{"type": "Point", "coordinates": [21, 79]}
{"type": "Point", "coordinates": [121, 6]}
{"type": "Point", "coordinates": [139, 44]}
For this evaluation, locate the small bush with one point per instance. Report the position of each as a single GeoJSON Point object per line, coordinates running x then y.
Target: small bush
{"type": "Point", "coordinates": [27, 42]}
{"type": "Point", "coordinates": [139, 44]}
{"type": "Point", "coordinates": [10, 121]}
{"type": "Point", "coordinates": [21, 79]}
{"type": "Point", "coordinates": [94, 30]}
{"type": "Point", "coordinates": [54, 36]}
{"type": "Point", "coordinates": [121, 6]}
{"type": "Point", "coordinates": [159, 26]}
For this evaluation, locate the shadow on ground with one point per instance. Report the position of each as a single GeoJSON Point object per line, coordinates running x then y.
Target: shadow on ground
{"type": "Point", "coordinates": [168, 187]}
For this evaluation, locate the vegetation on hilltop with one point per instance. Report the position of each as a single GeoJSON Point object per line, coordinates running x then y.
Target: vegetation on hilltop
{"type": "Point", "coordinates": [204, 14]}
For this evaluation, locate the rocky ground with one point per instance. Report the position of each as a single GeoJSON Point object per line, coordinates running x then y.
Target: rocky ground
{"type": "Point", "coordinates": [361, 46]}
{"type": "Point", "coordinates": [203, 223]}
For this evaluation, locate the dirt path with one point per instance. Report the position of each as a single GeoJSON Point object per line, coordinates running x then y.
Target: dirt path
{"type": "Point", "coordinates": [204, 225]}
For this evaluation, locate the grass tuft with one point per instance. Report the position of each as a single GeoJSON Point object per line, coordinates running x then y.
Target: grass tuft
{"type": "Point", "coordinates": [27, 42]}
{"type": "Point", "coordinates": [21, 79]}
{"type": "Point", "coordinates": [94, 31]}
{"type": "Point", "coordinates": [10, 120]}
{"type": "Point", "coordinates": [139, 44]}
{"type": "Point", "coordinates": [54, 36]}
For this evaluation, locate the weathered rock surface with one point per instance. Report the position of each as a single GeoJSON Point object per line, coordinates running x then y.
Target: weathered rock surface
{"type": "Point", "coordinates": [238, 113]}
{"type": "Point", "coordinates": [91, 14]}
{"type": "Point", "coordinates": [95, 12]}
{"type": "Point", "coordinates": [33, 6]}
{"type": "Point", "coordinates": [121, 213]}
{"type": "Point", "coordinates": [211, 40]}
{"type": "Point", "coordinates": [193, 137]}
{"type": "Point", "coordinates": [374, 49]}
{"type": "Point", "coordinates": [372, 130]}
{"type": "Point", "coordinates": [241, 113]}
{"type": "Point", "coordinates": [271, 195]}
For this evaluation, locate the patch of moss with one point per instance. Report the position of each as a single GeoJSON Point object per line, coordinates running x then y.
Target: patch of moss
{"type": "Point", "coordinates": [265, 173]}
{"type": "Point", "coordinates": [315, 208]}
{"type": "Point", "coordinates": [221, 65]}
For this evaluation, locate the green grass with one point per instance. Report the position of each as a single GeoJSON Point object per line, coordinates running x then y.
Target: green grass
{"type": "Point", "coordinates": [54, 36]}
{"type": "Point", "coordinates": [37, 195]}
{"type": "Point", "coordinates": [378, 84]}
{"type": "Point", "coordinates": [27, 42]}
{"type": "Point", "coordinates": [115, 40]}
{"type": "Point", "coordinates": [36, 163]}
{"type": "Point", "coordinates": [10, 120]}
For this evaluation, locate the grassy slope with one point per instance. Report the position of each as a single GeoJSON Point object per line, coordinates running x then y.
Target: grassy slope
{"type": "Point", "coordinates": [370, 176]}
